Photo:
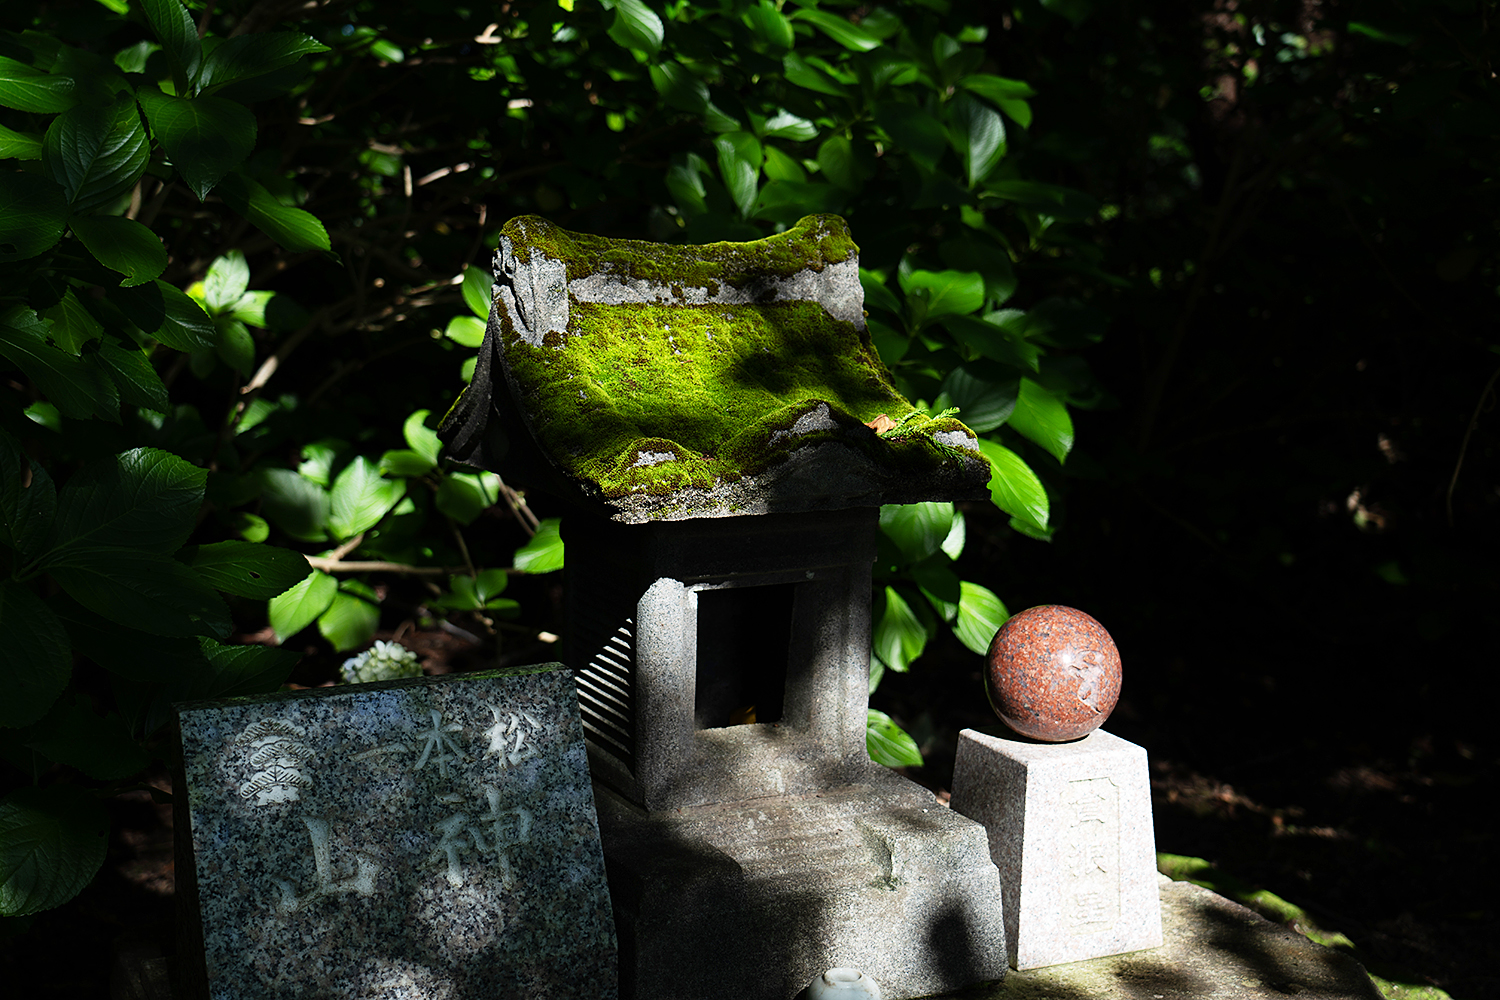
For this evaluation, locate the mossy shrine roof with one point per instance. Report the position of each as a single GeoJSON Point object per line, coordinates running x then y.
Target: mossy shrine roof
{"type": "Point", "coordinates": [662, 382]}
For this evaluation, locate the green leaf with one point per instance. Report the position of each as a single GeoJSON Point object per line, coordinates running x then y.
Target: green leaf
{"type": "Point", "coordinates": [52, 842]}
{"type": "Point", "coordinates": [476, 288]}
{"type": "Point", "coordinates": [977, 134]}
{"type": "Point", "coordinates": [130, 370]}
{"type": "Point", "coordinates": [876, 294]}
{"type": "Point", "coordinates": [76, 388]}
{"type": "Point", "coordinates": [1014, 488]}
{"type": "Point", "coordinates": [799, 72]}
{"type": "Point", "coordinates": [996, 88]}
{"type": "Point", "coordinates": [953, 545]}
{"type": "Point", "coordinates": [251, 307]}
{"type": "Point", "coordinates": [227, 278]}
{"type": "Point", "coordinates": [983, 403]}
{"type": "Point", "coordinates": [917, 529]}
{"type": "Point", "coordinates": [788, 201]}
{"type": "Point", "coordinates": [349, 622]}
{"type": "Point", "coordinates": [946, 292]}
{"type": "Point", "coordinates": [298, 506]}
{"type": "Point", "coordinates": [250, 527]}
{"type": "Point", "coordinates": [420, 438]}
{"type": "Point", "coordinates": [72, 324]}
{"type": "Point", "coordinates": [636, 26]}
{"type": "Point", "coordinates": [140, 589]}
{"type": "Point", "coordinates": [404, 463]}
{"type": "Point", "coordinates": [28, 500]}
{"type": "Point", "coordinates": [319, 458]}
{"type": "Point", "coordinates": [980, 615]}
{"type": "Point", "coordinates": [245, 569]}
{"type": "Point", "coordinates": [1380, 35]}
{"type": "Point", "coordinates": [236, 347]}
{"type": "Point", "coordinates": [361, 497]}
{"type": "Point", "coordinates": [142, 499]}
{"type": "Point", "coordinates": [293, 228]}
{"type": "Point", "coordinates": [20, 145]}
{"type": "Point", "coordinates": [899, 636]}
{"type": "Point", "coordinates": [33, 214]}
{"type": "Point", "coordinates": [679, 87]}
{"type": "Point", "coordinates": [238, 670]}
{"type": "Point", "coordinates": [887, 743]}
{"type": "Point", "coordinates": [491, 583]}
{"type": "Point", "coordinates": [781, 167]}
{"type": "Point", "coordinates": [915, 132]}
{"type": "Point", "coordinates": [122, 245]}
{"type": "Point", "coordinates": [770, 26]}
{"type": "Point", "coordinates": [300, 605]}
{"type": "Point", "coordinates": [466, 331]}
{"type": "Point", "coordinates": [96, 151]}
{"type": "Point", "coordinates": [846, 33]}
{"type": "Point", "coordinates": [175, 30]}
{"type": "Point", "coordinates": [99, 746]}
{"type": "Point", "coordinates": [938, 582]}
{"type": "Point", "coordinates": [27, 88]}
{"type": "Point", "coordinates": [837, 163]}
{"type": "Point", "coordinates": [463, 496]}
{"type": "Point", "coordinates": [37, 661]}
{"type": "Point", "coordinates": [785, 125]}
{"type": "Point", "coordinates": [206, 136]}
{"type": "Point", "coordinates": [167, 314]}
{"type": "Point", "coordinates": [543, 553]}
{"type": "Point", "coordinates": [256, 54]}
{"type": "Point", "coordinates": [1042, 418]}
{"type": "Point", "coordinates": [739, 165]}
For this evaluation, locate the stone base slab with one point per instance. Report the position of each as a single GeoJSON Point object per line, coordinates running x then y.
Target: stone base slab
{"type": "Point", "coordinates": [1070, 832]}
{"type": "Point", "coordinates": [755, 899]}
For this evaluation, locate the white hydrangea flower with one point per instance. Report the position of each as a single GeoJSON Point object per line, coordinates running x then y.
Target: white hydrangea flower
{"type": "Point", "coordinates": [385, 661]}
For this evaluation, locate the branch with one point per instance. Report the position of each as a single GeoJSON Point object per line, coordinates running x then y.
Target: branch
{"type": "Point", "coordinates": [375, 566]}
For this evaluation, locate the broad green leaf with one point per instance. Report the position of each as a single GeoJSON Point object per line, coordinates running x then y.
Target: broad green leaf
{"type": "Point", "coordinates": [636, 26]}
{"type": "Point", "coordinates": [360, 498]}
{"type": "Point", "coordinates": [167, 314]}
{"type": "Point", "coordinates": [245, 569]}
{"type": "Point", "coordinates": [251, 307]}
{"type": "Point", "coordinates": [349, 622]}
{"type": "Point", "coordinates": [788, 201]}
{"type": "Point", "coordinates": [1014, 488]}
{"type": "Point", "coordinates": [915, 132]}
{"type": "Point", "coordinates": [20, 145]}
{"type": "Point", "coordinates": [96, 151]}
{"type": "Point", "coordinates": [52, 843]}
{"type": "Point", "coordinates": [983, 403]}
{"type": "Point", "coordinates": [464, 596]}
{"type": "Point", "coordinates": [72, 324]}
{"type": "Point", "coordinates": [404, 462]}
{"type": "Point", "coordinates": [250, 527]}
{"type": "Point", "coordinates": [899, 635]}
{"type": "Point", "coordinates": [319, 458]}
{"type": "Point", "coordinates": [296, 505]}
{"type": "Point", "coordinates": [293, 228]}
{"type": "Point", "coordinates": [802, 74]}
{"type": "Point", "coordinates": [889, 744]}
{"type": "Point", "coordinates": [206, 136]}
{"type": "Point", "coordinates": [476, 288]}
{"type": "Point", "coordinates": [679, 87]}
{"type": "Point", "coordinates": [27, 88]}
{"type": "Point", "coordinates": [946, 292]}
{"type": "Point", "coordinates": [175, 30]}
{"type": "Point", "coordinates": [466, 331]}
{"type": "Point", "coordinates": [980, 615]}
{"type": "Point", "coordinates": [685, 182]}
{"type": "Point", "coordinates": [938, 582]}
{"type": "Point", "coordinates": [238, 670]}
{"type": "Point", "coordinates": [130, 370]}
{"type": "Point", "coordinates": [837, 163]}
{"type": "Point", "coordinates": [76, 388]}
{"type": "Point", "coordinates": [235, 347]}
{"type": "Point", "coordinates": [463, 496]}
{"type": "Point", "coordinates": [99, 746]}
{"type": "Point", "coordinates": [140, 589]}
{"type": "Point", "coordinates": [977, 134]}
{"type": "Point", "coordinates": [122, 245]}
{"type": "Point", "coordinates": [543, 553]}
{"type": "Point", "coordinates": [420, 438]}
{"type": "Point", "coordinates": [141, 499]}
{"type": "Point", "coordinates": [1042, 418]}
{"type": "Point", "coordinates": [770, 26]}
{"type": "Point", "coordinates": [256, 54]}
{"type": "Point", "coordinates": [917, 529]}
{"type": "Point", "coordinates": [876, 294]}
{"type": "Point", "coordinates": [1060, 322]}
{"type": "Point", "coordinates": [999, 336]}
{"type": "Point", "coordinates": [33, 214]}
{"type": "Point", "coordinates": [491, 583]}
{"type": "Point", "coordinates": [739, 165]}
{"type": "Point", "coordinates": [785, 125]}
{"type": "Point", "coordinates": [37, 661]}
{"type": "Point", "coordinates": [996, 88]}
{"type": "Point", "coordinates": [846, 33]}
{"type": "Point", "coordinates": [227, 278]}
{"type": "Point", "coordinates": [781, 167]}
{"type": "Point", "coordinates": [28, 500]}
{"type": "Point", "coordinates": [300, 605]}
{"type": "Point", "coordinates": [953, 545]}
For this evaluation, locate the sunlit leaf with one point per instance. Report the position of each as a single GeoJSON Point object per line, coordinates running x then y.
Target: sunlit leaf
{"type": "Point", "coordinates": [255, 54]}
{"type": "Point", "coordinates": [167, 314]}
{"type": "Point", "coordinates": [739, 166]}
{"type": "Point", "coordinates": [1014, 488]}
{"type": "Point", "coordinates": [466, 331]}
{"type": "Point", "coordinates": [361, 497]}
{"type": "Point", "coordinates": [917, 529]}
{"type": "Point", "coordinates": [1041, 417]}
{"type": "Point", "coordinates": [476, 288]}
{"type": "Point", "coordinates": [899, 635]}
{"type": "Point", "coordinates": [636, 26]}
{"type": "Point", "coordinates": [295, 504]}
{"type": "Point", "coordinates": [350, 620]}
{"type": "Point", "coordinates": [770, 25]}
{"type": "Point", "coordinates": [420, 438]}
{"type": "Point", "coordinates": [846, 33]}
{"type": "Point", "coordinates": [300, 605]}
{"type": "Point", "coordinates": [245, 569]}
{"type": "Point", "coordinates": [980, 615]}
{"type": "Point", "coordinates": [96, 151]}
{"type": "Point", "coordinates": [293, 228]}
{"type": "Point", "coordinates": [544, 552]}
{"type": "Point", "coordinates": [888, 744]}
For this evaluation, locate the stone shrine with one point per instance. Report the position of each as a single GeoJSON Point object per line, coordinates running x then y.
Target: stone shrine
{"type": "Point", "coordinates": [706, 414]}
{"type": "Point", "coordinates": [418, 839]}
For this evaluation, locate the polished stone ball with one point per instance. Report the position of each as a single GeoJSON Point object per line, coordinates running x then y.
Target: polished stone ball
{"type": "Point", "coordinates": [1053, 674]}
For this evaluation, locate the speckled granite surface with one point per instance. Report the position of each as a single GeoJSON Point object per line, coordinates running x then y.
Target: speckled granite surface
{"type": "Point", "coordinates": [433, 839]}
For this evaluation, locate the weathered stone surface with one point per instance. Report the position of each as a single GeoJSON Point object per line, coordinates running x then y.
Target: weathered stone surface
{"type": "Point", "coordinates": [1070, 831]}
{"type": "Point", "coordinates": [431, 838]}
{"type": "Point", "coordinates": [1053, 673]}
{"type": "Point", "coordinates": [658, 382]}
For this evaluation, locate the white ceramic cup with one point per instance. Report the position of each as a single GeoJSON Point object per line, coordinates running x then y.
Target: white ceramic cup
{"type": "Point", "coordinates": [842, 984]}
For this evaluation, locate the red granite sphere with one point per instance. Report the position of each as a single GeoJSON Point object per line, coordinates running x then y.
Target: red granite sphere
{"type": "Point", "coordinates": [1053, 674]}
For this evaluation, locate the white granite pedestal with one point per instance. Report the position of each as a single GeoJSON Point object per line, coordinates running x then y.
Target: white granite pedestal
{"type": "Point", "coordinates": [1070, 831]}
